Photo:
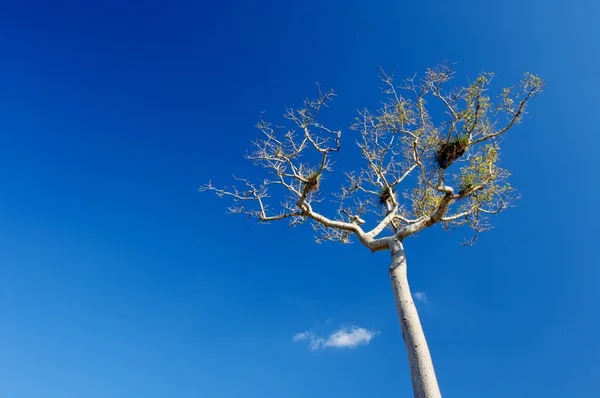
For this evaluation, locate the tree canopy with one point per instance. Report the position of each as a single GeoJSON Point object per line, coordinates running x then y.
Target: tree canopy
{"type": "Point", "coordinates": [419, 167]}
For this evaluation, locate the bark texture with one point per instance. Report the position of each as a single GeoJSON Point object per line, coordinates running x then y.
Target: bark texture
{"type": "Point", "coordinates": [422, 374]}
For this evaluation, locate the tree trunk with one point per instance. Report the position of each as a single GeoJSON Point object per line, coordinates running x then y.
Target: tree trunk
{"type": "Point", "coordinates": [422, 373]}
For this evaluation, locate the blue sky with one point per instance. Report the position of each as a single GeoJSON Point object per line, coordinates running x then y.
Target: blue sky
{"type": "Point", "coordinates": [118, 279]}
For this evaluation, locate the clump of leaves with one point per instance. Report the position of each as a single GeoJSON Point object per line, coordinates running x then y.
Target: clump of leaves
{"type": "Point", "coordinates": [403, 112]}
{"type": "Point", "coordinates": [385, 195]}
{"type": "Point", "coordinates": [450, 151]}
{"type": "Point", "coordinates": [467, 184]}
{"type": "Point", "coordinates": [480, 171]}
{"type": "Point", "coordinates": [425, 200]}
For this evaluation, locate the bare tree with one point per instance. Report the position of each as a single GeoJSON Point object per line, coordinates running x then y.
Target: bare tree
{"type": "Point", "coordinates": [416, 172]}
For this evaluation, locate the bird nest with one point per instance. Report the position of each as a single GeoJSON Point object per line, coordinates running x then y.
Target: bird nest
{"type": "Point", "coordinates": [451, 150]}
{"type": "Point", "coordinates": [385, 195]}
{"type": "Point", "coordinates": [312, 183]}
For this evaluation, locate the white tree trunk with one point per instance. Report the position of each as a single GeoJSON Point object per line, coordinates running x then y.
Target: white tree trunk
{"type": "Point", "coordinates": [422, 373]}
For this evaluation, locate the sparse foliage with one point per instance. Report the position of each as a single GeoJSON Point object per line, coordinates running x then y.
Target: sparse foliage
{"type": "Point", "coordinates": [417, 171]}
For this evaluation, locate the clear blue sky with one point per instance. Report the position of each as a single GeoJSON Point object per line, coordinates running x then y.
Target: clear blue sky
{"type": "Point", "coordinates": [118, 279]}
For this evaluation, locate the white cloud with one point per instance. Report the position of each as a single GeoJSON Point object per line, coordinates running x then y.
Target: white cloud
{"type": "Point", "coordinates": [420, 296]}
{"type": "Point", "coordinates": [346, 337]}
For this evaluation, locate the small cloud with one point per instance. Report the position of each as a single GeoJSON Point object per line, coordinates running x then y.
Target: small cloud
{"type": "Point", "coordinates": [304, 336]}
{"type": "Point", "coordinates": [420, 296]}
{"type": "Point", "coordinates": [350, 337]}
{"type": "Point", "coordinates": [347, 337]}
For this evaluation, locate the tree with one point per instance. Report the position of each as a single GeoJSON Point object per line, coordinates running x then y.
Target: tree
{"type": "Point", "coordinates": [416, 172]}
